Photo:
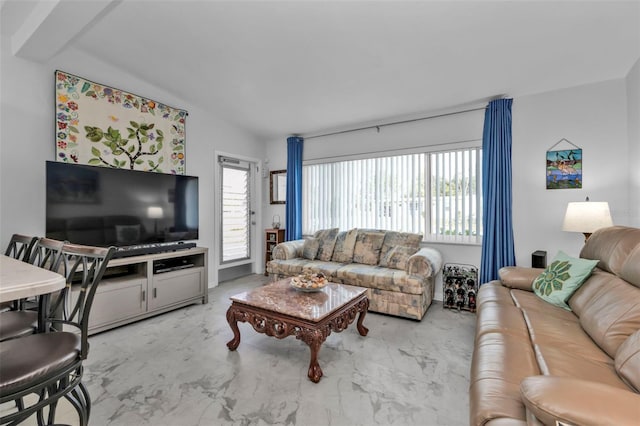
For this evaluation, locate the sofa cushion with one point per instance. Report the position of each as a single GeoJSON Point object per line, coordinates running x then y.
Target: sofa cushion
{"type": "Point", "coordinates": [557, 361]}
{"type": "Point", "coordinates": [562, 278]}
{"type": "Point", "coordinates": [493, 291]}
{"type": "Point", "coordinates": [297, 266]}
{"type": "Point", "coordinates": [394, 238]}
{"type": "Point", "coordinates": [627, 361]}
{"type": "Point", "coordinates": [368, 245]}
{"type": "Point", "coordinates": [500, 362]}
{"type": "Point", "coordinates": [381, 278]}
{"type": "Point", "coordinates": [609, 310]}
{"type": "Point", "coordinates": [327, 239]}
{"type": "Point", "coordinates": [574, 401]}
{"type": "Point", "coordinates": [631, 267]}
{"type": "Point", "coordinates": [345, 244]}
{"type": "Point", "coordinates": [310, 248]}
{"type": "Point", "coordinates": [495, 317]}
{"type": "Point", "coordinates": [611, 246]}
{"type": "Point", "coordinates": [288, 267]}
{"type": "Point", "coordinates": [397, 257]}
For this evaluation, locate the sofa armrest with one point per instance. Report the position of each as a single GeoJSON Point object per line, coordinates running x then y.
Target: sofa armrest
{"type": "Point", "coordinates": [518, 277]}
{"type": "Point", "coordinates": [425, 262]}
{"type": "Point", "coordinates": [579, 402]}
{"type": "Point", "coordinates": [288, 250]}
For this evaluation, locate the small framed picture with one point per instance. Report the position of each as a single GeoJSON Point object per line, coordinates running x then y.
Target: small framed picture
{"type": "Point", "coordinates": [564, 169]}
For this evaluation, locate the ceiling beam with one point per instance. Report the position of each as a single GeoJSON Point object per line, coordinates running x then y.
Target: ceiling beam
{"type": "Point", "coordinates": [53, 24]}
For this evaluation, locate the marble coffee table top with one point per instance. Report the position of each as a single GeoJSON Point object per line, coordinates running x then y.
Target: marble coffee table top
{"type": "Point", "coordinates": [282, 298]}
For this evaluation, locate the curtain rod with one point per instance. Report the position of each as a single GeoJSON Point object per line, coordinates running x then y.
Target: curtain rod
{"type": "Point", "coordinates": [378, 126]}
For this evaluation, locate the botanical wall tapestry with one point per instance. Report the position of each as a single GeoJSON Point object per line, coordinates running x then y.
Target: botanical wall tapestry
{"type": "Point", "coordinates": [103, 126]}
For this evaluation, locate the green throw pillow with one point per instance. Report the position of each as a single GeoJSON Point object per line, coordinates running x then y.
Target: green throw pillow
{"type": "Point", "coordinates": [562, 278]}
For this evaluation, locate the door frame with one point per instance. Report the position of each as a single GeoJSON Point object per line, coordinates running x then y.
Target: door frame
{"type": "Point", "coordinates": [256, 200]}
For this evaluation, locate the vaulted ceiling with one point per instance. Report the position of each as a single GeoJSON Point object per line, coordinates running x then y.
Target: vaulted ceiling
{"type": "Point", "coordinates": [281, 67]}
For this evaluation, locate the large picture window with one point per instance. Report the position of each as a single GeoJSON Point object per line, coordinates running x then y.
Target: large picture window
{"type": "Point", "coordinates": [436, 194]}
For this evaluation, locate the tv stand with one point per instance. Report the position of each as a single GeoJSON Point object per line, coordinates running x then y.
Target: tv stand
{"type": "Point", "coordinates": [138, 287]}
{"type": "Point", "coordinates": [140, 249]}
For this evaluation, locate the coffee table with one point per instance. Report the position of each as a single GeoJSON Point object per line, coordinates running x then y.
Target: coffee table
{"type": "Point", "coordinates": [279, 310]}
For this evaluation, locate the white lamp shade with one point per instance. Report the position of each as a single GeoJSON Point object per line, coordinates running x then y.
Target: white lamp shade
{"type": "Point", "coordinates": [586, 217]}
{"type": "Point", "coordinates": [155, 212]}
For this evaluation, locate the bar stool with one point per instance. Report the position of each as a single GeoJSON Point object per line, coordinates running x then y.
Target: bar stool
{"type": "Point", "coordinates": [46, 253]}
{"type": "Point", "coordinates": [49, 365]}
{"type": "Point", "coordinates": [19, 247]}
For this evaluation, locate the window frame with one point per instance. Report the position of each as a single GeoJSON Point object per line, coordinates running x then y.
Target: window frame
{"type": "Point", "coordinates": [427, 151]}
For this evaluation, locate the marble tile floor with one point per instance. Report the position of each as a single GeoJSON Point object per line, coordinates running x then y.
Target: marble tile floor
{"type": "Point", "coordinates": [176, 370]}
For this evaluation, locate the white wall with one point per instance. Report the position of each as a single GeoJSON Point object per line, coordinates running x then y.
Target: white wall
{"type": "Point", "coordinates": [276, 159]}
{"type": "Point", "coordinates": [594, 117]}
{"type": "Point", "coordinates": [633, 117]}
{"type": "Point", "coordinates": [27, 138]}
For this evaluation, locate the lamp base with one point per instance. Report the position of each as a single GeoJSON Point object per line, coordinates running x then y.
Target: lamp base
{"type": "Point", "coordinates": [586, 236]}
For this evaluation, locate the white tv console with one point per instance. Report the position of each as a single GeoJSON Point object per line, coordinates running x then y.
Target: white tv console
{"type": "Point", "coordinates": [131, 290]}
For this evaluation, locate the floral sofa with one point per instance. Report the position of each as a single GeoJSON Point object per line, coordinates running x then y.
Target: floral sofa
{"type": "Point", "coordinates": [399, 275]}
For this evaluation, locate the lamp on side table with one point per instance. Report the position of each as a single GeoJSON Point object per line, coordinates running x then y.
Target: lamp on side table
{"type": "Point", "coordinates": [586, 217]}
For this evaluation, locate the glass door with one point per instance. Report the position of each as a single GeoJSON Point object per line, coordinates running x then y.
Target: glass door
{"type": "Point", "coordinates": [236, 210]}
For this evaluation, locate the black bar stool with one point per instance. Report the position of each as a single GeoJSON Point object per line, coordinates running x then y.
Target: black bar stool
{"type": "Point", "coordinates": [49, 365]}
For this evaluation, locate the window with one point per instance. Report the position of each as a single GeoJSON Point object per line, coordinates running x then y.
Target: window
{"type": "Point", "coordinates": [236, 210]}
{"type": "Point", "coordinates": [436, 194]}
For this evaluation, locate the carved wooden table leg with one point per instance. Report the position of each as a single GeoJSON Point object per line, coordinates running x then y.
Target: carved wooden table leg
{"type": "Point", "coordinates": [361, 328]}
{"type": "Point", "coordinates": [313, 338]}
{"type": "Point", "coordinates": [233, 323]}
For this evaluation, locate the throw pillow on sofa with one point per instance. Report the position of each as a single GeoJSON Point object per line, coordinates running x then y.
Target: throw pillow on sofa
{"type": "Point", "coordinates": [397, 257]}
{"type": "Point", "coordinates": [562, 278]}
{"type": "Point", "coordinates": [368, 245]}
{"type": "Point", "coordinates": [345, 244]}
{"type": "Point", "coordinates": [310, 248]}
{"type": "Point", "coordinates": [394, 238]}
{"type": "Point", "coordinates": [327, 239]}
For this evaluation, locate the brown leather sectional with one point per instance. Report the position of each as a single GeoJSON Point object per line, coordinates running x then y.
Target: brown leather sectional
{"type": "Point", "coordinates": [535, 363]}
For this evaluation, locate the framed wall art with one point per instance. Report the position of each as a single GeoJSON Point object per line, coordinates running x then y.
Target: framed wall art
{"type": "Point", "coordinates": [103, 126]}
{"type": "Point", "coordinates": [564, 167]}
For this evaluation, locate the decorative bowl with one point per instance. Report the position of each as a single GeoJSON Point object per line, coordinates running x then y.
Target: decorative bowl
{"type": "Point", "coordinates": [309, 282]}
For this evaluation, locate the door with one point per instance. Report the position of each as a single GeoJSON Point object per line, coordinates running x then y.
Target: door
{"type": "Point", "coordinates": [237, 213]}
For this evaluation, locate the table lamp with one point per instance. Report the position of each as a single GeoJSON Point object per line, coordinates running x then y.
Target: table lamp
{"type": "Point", "coordinates": [586, 217]}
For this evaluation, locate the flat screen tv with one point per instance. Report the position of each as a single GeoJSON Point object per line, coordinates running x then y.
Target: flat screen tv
{"type": "Point", "coordinates": [103, 206]}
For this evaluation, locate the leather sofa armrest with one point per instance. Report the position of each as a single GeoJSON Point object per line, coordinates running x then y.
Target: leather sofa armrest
{"type": "Point", "coordinates": [288, 250]}
{"type": "Point", "coordinates": [518, 277]}
{"type": "Point", "coordinates": [578, 402]}
{"type": "Point", "coordinates": [425, 262]}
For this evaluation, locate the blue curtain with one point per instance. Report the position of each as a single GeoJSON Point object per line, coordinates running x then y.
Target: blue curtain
{"type": "Point", "coordinates": [293, 228]}
{"type": "Point", "coordinates": [497, 238]}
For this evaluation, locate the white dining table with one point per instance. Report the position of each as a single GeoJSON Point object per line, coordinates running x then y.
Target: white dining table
{"type": "Point", "coordinates": [21, 280]}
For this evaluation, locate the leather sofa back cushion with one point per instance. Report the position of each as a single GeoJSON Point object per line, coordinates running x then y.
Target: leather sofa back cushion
{"type": "Point", "coordinates": [627, 361]}
{"type": "Point", "coordinates": [631, 268]}
{"type": "Point", "coordinates": [608, 309]}
{"type": "Point", "coordinates": [611, 246]}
